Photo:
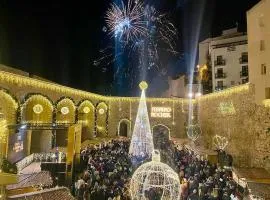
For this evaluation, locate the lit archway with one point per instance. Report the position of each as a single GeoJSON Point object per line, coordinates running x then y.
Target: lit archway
{"type": "Point", "coordinates": [86, 116]}
{"type": "Point", "coordinates": [161, 135]}
{"type": "Point", "coordinates": [8, 115]}
{"type": "Point", "coordinates": [162, 127]}
{"type": "Point", "coordinates": [65, 110]}
{"type": "Point", "coordinates": [37, 110]}
{"type": "Point", "coordinates": [124, 128]}
{"type": "Point", "coordinates": [65, 114]}
{"type": "Point", "coordinates": [101, 119]}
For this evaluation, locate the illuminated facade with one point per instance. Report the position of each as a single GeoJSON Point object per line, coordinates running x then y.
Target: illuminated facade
{"type": "Point", "coordinates": [227, 55]}
{"type": "Point", "coordinates": [30, 106]}
{"type": "Point", "coordinates": [30, 102]}
{"type": "Point", "coordinates": [259, 43]}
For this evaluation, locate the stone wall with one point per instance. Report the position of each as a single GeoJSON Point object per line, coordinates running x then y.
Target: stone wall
{"type": "Point", "coordinates": [233, 113]}
{"type": "Point", "coordinates": [21, 88]}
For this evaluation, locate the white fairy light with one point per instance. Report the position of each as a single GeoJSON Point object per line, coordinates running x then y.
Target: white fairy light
{"type": "Point", "coordinates": [155, 177]}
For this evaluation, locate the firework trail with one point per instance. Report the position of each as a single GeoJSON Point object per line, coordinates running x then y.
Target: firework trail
{"type": "Point", "coordinates": [144, 35]}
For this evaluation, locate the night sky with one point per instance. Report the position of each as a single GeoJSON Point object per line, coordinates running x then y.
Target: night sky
{"type": "Point", "coordinates": [59, 41]}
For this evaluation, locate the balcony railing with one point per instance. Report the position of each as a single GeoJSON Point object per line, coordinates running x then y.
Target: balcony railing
{"type": "Point", "coordinates": [220, 75]}
{"type": "Point", "coordinates": [220, 62]}
{"type": "Point", "coordinates": [243, 60]}
{"type": "Point", "coordinates": [217, 88]}
{"type": "Point", "coordinates": [243, 74]}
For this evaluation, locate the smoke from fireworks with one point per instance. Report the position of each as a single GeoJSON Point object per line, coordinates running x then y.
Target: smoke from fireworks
{"type": "Point", "coordinates": [143, 34]}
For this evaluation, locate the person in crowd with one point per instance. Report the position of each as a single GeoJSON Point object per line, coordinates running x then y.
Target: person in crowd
{"type": "Point", "coordinates": [108, 169]}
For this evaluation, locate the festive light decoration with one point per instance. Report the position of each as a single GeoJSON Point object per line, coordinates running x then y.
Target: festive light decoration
{"type": "Point", "coordinates": [31, 103]}
{"type": "Point", "coordinates": [38, 108]}
{"type": "Point", "coordinates": [102, 118]}
{"type": "Point", "coordinates": [228, 91]}
{"type": "Point", "coordinates": [227, 108]}
{"type": "Point", "coordinates": [86, 110]}
{"type": "Point", "coordinates": [143, 85]}
{"type": "Point", "coordinates": [10, 78]}
{"type": "Point", "coordinates": [64, 110]}
{"type": "Point", "coordinates": [142, 140]}
{"type": "Point", "coordinates": [101, 111]}
{"type": "Point", "coordinates": [193, 131]}
{"type": "Point", "coordinates": [220, 142]}
{"type": "Point", "coordinates": [161, 112]}
{"type": "Point", "coordinates": [155, 178]}
{"type": "Point", "coordinates": [3, 131]}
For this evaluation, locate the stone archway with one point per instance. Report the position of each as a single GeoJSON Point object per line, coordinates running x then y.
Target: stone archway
{"type": "Point", "coordinates": [101, 119]}
{"type": "Point", "coordinates": [65, 114]}
{"type": "Point", "coordinates": [161, 135]}
{"type": "Point", "coordinates": [124, 128]}
{"type": "Point", "coordinates": [86, 117]}
{"type": "Point", "coordinates": [37, 110]}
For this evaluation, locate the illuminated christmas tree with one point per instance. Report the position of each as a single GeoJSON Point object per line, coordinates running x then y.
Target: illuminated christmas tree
{"type": "Point", "coordinates": [141, 145]}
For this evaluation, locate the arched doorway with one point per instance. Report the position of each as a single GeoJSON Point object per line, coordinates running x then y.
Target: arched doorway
{"type": "Point", "coordinates": [65, 114]}
{"type": "Point", "coordinates": [36, 110]}
{"type": "Point", "coordinates": [161, 136]}
{"type": "Point", "coordinates": [124, 128]}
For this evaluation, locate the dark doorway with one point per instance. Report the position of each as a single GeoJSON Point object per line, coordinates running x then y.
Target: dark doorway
{"type": "Point", "coordinates": [123, 129]}
{"type": "Point", "coordinates": [41, 141]}
{"type": "Point", "coordinates": [161, 136]}
{"type": "Point", "coordinates": [61, 138]}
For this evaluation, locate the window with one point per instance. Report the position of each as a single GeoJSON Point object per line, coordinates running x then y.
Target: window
{"type": "Point", "coordinates": [267, 93]}
{"type": "Point", "coordinates": [232, 82]}
{"type": "Point", "coordinates": [262, 45]}
{"type": "Point", "coordinates": [220, 84]}
{"type": "Point", "coordinates": [220, 71]}
{"type": "Point", "coordinates": [263, 69]}
{"type": "Point", "coordinates": [219, 59]}
{"type": "Point", "coordinates": [244, 57]}
{"type": "Point", "coordinates": [244, 68]}
{"type": "Point", "coordinates": [261, 21]}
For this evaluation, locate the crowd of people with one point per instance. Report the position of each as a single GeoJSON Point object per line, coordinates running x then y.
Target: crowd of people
{"type": "Point", "coordinates": [201, 180]}
{"type": "Point", "coordinates": [109, 169]}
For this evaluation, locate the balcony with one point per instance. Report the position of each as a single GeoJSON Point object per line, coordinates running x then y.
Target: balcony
{"type": "Point", "coordinates": [217, 88]}
{"type": "Point", "coordinates": [243, 60]}
{"type": "Point", "coordinates": [220, 75]}
{"type": "Point", "coordinates": [220, 62]}
{"type": "Point", "coordinates": [243, 74]}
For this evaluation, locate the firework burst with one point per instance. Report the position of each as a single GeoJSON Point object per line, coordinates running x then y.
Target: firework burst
{"type": "Point", "coordinates": [144, 36]}
{"type": "Point", "coordinates": [126, 21]}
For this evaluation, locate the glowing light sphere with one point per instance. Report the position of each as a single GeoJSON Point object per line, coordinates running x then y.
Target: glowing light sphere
{"type": "Point", "coordinates": [193, 131]}
{"type": "Point", "coordinates": [38, 108]}
{"type": "Point", "coordinates": [101, 111]}
{"type": "Point", "coordinates": [155, 179]}
{"type": "Point", "coordinates": [143, 85]}
{"type": "Point", "coordinates": [86, 109]}
{"type": "Point", "coordinates": [64, 110]}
